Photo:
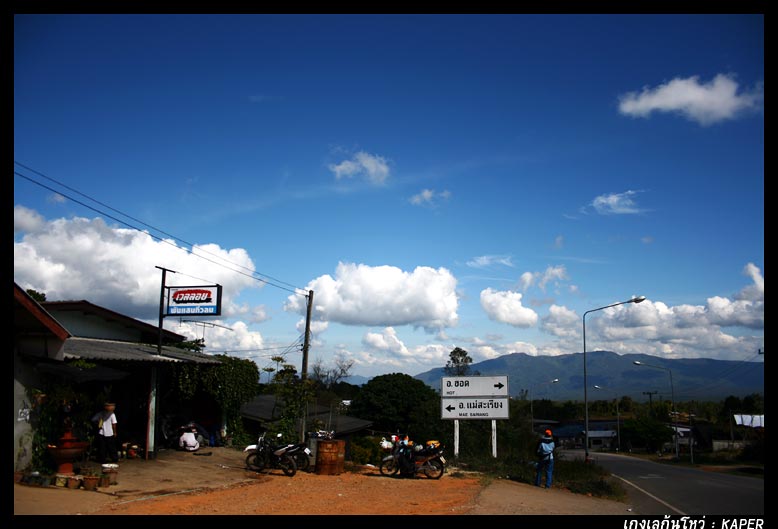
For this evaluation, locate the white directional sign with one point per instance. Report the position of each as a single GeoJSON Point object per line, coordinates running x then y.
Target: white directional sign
{"type": "Point", "coordinates": [474, 408]}
{"type": "Point", "coordinates": [496, 386]}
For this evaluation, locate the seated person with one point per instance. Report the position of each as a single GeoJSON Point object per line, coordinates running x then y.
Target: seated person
{"type": "Point", "coordinates": [188, 440]}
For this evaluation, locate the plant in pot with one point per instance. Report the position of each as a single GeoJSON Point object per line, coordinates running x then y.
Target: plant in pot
{"type": "Point", "coordinates": [91, 478]}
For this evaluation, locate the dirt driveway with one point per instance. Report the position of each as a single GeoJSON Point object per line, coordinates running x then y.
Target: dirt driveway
{"type": "Point", "coordinates": [218, 484]}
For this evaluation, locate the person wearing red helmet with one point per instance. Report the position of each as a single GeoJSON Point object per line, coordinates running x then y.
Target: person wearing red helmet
{"type": "Point", "coordinates": [545, 451]}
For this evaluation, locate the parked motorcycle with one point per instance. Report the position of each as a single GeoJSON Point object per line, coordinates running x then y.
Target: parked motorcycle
{"type": "Point", "coordinates": [265, 455]}
{"type": "Point", "coordinates": [410, 460]}
{"type": "Point", "coordinates": [301, 454]}
{"type": "Point", "coordinates": [389, 465]}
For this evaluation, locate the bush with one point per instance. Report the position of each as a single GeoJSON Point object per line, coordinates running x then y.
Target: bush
{"type": "Point", "coordinates": [366, 450]}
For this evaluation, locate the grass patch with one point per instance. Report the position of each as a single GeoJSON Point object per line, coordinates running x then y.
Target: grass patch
{"type": "Point", "coordinates": [575, 475]}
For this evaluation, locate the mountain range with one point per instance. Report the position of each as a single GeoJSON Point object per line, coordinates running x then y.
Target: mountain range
{"type": "Point", "coordinates": [692, 378]}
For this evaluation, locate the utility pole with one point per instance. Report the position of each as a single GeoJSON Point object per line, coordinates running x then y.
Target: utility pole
{"type": "Point", "coordinates": [151, 420]}
{"type": "Point", "coordinates": [306, 342]}
{"type": "Point", "coordinates": [650, 402]}
{"type": "Point", "coordinates": [306, 346]}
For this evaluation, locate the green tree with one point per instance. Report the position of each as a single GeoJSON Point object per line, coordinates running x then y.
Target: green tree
{"type": "Point", "coordinates": [295, 393]}
{"type": "Point", "coordinates": [458, 364]}
{"type": "Point", "coordinates": [37, 296]}
{"type": "Point", "coordinates": [399, 403]}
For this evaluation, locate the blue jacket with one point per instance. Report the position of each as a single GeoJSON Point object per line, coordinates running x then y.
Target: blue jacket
{"type": "Point", "coordinates": [546, 448]}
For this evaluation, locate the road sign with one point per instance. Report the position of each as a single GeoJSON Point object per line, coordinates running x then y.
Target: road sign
{"type": "Point", "coordinates": [474, 408]}
{"type": "Point", "coordinates": [496, 386]}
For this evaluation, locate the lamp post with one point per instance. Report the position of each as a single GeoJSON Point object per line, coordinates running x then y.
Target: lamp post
{"type": "Point", "coordinates": [586, 384]}
{"type": "Point", "coordinates": [618, 421]}
{"type": "Point", "coordinates": [672, 396]}
{"type": "Point", "coordinates": [531, 412]}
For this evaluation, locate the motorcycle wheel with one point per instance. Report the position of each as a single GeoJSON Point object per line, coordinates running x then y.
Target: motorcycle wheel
{"type": "Point", "coordinates": [288, 465]}
{"type": "Point", "coordinates": [434, 469]}
{"type": "Point", "coordinates": [302, 461]}
{"type": "Point", "coordinates": [255, 462]}
{"type": "Point", "coordinates": [389, 467]}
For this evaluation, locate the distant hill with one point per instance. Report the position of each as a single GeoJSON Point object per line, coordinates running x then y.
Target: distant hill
{"type": "Point", "coordinates": [693, 378]}
{"type": "Point", "coordinates": [357, 380]}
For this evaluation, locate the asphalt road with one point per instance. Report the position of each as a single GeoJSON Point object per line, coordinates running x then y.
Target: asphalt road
{"type": "Point", "coordinates": [658, 488]}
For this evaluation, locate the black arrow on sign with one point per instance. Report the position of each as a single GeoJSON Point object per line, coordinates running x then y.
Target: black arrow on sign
{"type": "Point", "coordinates": [499, 385]}
{"type": "Point", "coordinates": [450, 408]}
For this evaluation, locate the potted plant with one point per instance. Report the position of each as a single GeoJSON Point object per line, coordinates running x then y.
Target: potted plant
{"type": "Point", "coordinates": [91, 478]}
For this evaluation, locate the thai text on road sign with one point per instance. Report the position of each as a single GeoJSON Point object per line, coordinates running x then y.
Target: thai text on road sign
{"type": "Point", "coordinates": [481, 386]}
{"type": "Point", "coordinates": [474, 408]}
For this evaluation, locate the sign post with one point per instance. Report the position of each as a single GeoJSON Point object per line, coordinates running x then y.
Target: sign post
{"type": "Point", "coordinates": [478, 397]}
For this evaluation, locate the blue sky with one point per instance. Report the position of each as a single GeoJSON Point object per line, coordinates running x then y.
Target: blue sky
{"type": "Point", "coordinates": [438, 181]}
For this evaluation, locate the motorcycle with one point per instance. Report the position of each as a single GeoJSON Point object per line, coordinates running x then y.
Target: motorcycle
{"type": "Point", "coordinates": [301, 454]}
{"type": "Point", "coordinates": [410, 460]}
{"type": "Point", "coordinates": [264, 455]}
{"type": "Point", "coordinates": [389, 465]}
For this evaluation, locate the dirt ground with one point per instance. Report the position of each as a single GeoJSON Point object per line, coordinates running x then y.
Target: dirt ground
{"type": "Point", "coordinates": [181, 483]}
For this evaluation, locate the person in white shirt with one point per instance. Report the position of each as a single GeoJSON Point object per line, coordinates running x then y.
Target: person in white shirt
{"type": "Point", "coordinates": [107, 434]}
{"type": "Point", "coordinates": [188, 440]}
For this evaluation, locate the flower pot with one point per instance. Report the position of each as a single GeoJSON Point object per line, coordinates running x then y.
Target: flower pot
{"type": "Point", "coordinates": [90, 482]}
{"type": "Point", "coordinates": [105, 480]}
{"type": "Point", "coordinates": [74, 482]}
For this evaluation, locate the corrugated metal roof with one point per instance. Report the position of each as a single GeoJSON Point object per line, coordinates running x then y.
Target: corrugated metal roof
{"type": "Point", "coordinates": [96, 349]}
{"type": "Point", "coordinates": [267, 409]}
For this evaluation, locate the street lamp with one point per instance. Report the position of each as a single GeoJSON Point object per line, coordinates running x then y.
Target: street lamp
{"type": "Point", "coordinates": [672, 396]}
{"type": "Point", "coordinates": [618, 421]}
{"type": "Point", "coordinates": [531, 412]}
{"type": "Point", "coordinates": [586, 385]}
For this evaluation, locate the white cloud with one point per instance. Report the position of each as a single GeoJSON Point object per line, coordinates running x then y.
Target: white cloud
{"type": "Point", "coordinates": [27, 220]}
{"type": "Point", "coordinates": [485, 261]}
{"type": "Point", "coordinates": [429, 197]}
{"type": "Point", "coordinates": [506, 307]}
{"type": "Point", "coordinates": [82, 258]}
{"type": "Point", "coordinates": [559, 242]}
{"type": "Point", "coordinates": [383, 296]}
{"type": "Point", "coordinates": [526, 280]}
{"type": "Point", "coordinates": [375, 169]}
{"type": "Point", "coordinates": [705, 103]}
{"type": "Point", "coordinates": [561, 322]}
{"type": "Point", "coordinates": [753, 292]}
{"type": "Point", "coordinates": [386, 341]}
{"type": "Point", "coordinates": [552, 274]}
{"type": "Point", "coordinates": [236, 338]}
{"type": "Point", "coordinates": [616, 204]}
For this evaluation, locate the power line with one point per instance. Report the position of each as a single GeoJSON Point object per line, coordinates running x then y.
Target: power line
{"type": "Point", "coordinates": [191, 245]}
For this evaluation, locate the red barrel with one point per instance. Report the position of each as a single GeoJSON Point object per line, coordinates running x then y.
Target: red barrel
{"type": "Point", "coordinates": [330, 457]}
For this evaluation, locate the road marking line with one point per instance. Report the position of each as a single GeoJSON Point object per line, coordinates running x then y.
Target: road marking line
{"type": "Point", "coordinates": [650, 495]}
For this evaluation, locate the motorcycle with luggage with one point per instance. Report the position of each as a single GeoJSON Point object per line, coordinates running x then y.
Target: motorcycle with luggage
{"type": "Point", "coordinates": [409, 460]}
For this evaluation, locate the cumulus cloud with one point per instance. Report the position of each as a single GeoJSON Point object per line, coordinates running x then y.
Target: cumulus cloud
{"type": "Point", "coordinates": [383, 296]}
{"type": "Point", "coordinates": [485, 261]}
{"type": "Point", "coordinates": [27, 220]}
{"type": "Point", "coordinates": [703, 103]}
{"type": "Point", "coordinates": [561, 322]}
{"type": "Point", "coordinates": [506, 307]}
{"type": "Point", "coordinates": [616, 204]}
{"type": "Point", "coordinates": [82, 258]}
{"type": "Point", "coordinates": [753, 292]}
{"type": "Point", "coordinates": [235, 338]}
{"type": "Point", "coordinates": [552, 274]}
{"type": "Point", "coordinates": [371, 167]}
{"type": "Point", "coordinates": [386, 341]}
